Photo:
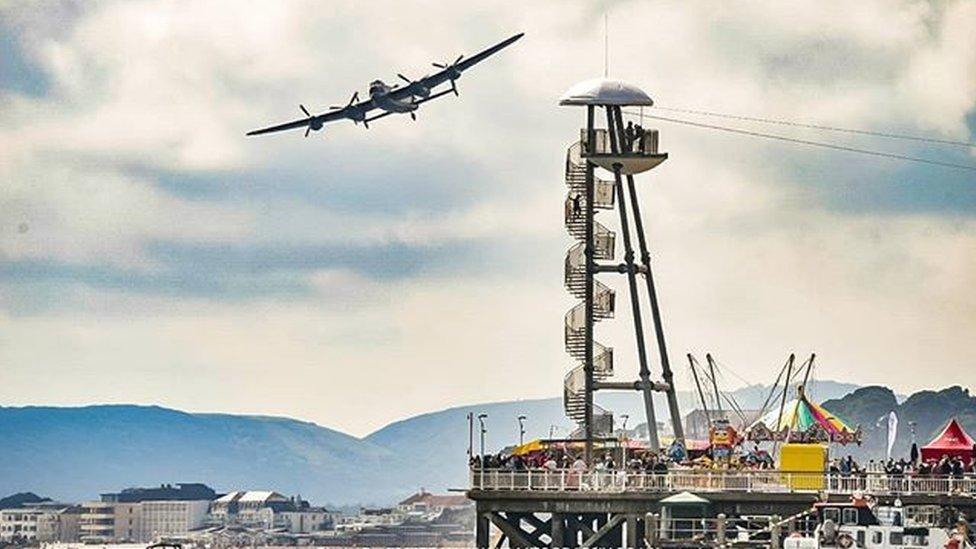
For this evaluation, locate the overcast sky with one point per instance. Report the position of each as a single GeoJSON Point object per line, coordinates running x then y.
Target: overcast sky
{"type": "Point", "coordinates": [150, 253]}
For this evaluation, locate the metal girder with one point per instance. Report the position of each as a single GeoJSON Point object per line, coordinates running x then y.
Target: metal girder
{"type": "Point", "coordinates": [514, 534]}
{"type": "Point", "coordinates": [603, 531]}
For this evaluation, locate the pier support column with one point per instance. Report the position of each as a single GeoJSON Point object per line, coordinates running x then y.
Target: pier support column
{"type": "Point", "coordinates": [775, 533]}
{"type": "Point", "coordinates": [632, 539]}
{"type": "Point", "coordinates": [556, 531]}
{"type": "Point", "coordinates": [650, 530]}
{"type": "Point", "coordinates": [482, 531]}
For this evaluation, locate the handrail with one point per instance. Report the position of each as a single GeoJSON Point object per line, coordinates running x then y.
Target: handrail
{"type": "Point", "coordinates": [749, 481]}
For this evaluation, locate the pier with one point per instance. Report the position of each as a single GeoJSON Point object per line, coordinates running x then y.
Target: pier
{"type": "Point", "coordinates": [568, 508]}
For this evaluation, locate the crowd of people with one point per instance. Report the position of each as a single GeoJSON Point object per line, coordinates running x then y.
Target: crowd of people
{"type": "Point", "coordinates": [646, 461]}
{"type": "Point", "coordinates": [946, 466]}
{"type": "Point", "coordinates": [554, 460]}
{"type": "Point", "coordinates": [630, 460]}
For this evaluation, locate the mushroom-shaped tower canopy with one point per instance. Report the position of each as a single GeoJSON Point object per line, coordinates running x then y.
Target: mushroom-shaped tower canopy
{"type": "Point", "coordinates": [605, 91]}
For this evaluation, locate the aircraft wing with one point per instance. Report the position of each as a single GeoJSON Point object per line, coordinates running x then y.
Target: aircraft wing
{"type": "Point", "coordinates": [357, 111]}
{"type": "Point", "coordinates": [453, 72]}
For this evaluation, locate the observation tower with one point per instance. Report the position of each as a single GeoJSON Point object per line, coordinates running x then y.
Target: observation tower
{"type": "Point", "coordinates": [620, 155]}
{"type": "Point", "coordinates": [589, 506]}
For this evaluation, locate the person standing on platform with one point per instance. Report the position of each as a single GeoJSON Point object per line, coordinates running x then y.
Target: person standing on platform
{"type": "Point", "coordinates": [639, 137]}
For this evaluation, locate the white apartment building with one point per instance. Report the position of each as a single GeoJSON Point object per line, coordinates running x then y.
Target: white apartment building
{"type": "Point", "coordinates": [305, 521]}
{"type": "Point", "coordinates": [254, 508]}
{"type": "Point", "coordinates": [108, 522]}
{"type": "Point", "coordinates": [47, 523]}
{"type": "Point", "coordinates": [19, 524]}
{"type": "Point", "coordinates": [269, 510]}
{"type": "Point", "coordinates": [59, 525]}
{"type": "Point", "coordinates": [171, 518]}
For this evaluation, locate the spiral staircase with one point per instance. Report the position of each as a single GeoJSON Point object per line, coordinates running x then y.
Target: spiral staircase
{"type": "Point", "coordinates": [574, 278]}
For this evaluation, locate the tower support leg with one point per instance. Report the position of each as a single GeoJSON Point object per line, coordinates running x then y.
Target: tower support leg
{"type": "Point", "coordinates": [645, 373]}
{"type": "Point", "coordinates": [666, 372]}
{"type": "Point", "coordinates": [588, 297]}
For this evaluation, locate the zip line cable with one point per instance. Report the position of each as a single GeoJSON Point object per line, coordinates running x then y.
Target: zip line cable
{"type": "Point", "coordinates": [806, 142]}
{"type": "Point", "coordinates": [821, 127]}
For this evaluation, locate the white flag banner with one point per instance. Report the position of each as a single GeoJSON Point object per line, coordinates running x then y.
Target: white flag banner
{"type": "Point", "coordinates": [892, 430]}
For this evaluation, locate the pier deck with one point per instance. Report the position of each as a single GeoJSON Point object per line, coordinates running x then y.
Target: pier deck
{"type": "Point", "coordinates": [609, 509]}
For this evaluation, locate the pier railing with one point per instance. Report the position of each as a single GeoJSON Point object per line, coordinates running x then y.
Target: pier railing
{"type": "Point", "coordinates": [761, 481]}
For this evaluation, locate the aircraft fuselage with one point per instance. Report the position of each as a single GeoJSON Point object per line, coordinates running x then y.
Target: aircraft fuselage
{"type": "Point", "coordinates": [379, 92]}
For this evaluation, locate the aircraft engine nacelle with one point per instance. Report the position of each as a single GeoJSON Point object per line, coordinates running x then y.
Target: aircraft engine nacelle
{"type": "Point", "coordinates": [423, 91]}
{"type": "Point", "coordinates": [315, 124]}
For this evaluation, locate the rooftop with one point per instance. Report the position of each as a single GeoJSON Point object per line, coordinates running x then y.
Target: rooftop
{"type": "Point", "coordinates": [259, 496]}
{"type": "Point", "coordinates": [262, 496]}
{"type": "Point", "coordinates": [436, 500]}
{"type": "Point", "coordinates": [605, 91]}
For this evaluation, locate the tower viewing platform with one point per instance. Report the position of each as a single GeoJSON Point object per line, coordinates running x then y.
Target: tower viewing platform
{"type": "Point", "coordinates": [637, 155]}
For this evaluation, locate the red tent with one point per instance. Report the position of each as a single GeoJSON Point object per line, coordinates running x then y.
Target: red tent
{"type": "Point", "coordinates": [952, 441]}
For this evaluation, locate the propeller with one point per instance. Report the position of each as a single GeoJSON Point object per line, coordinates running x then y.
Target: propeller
{"type": "Point", "coordinates": [417, 87]}
{"type": "Point", "coordinates": [456, 61]}
{"type": "Point", "coordinates": [353, 99]}
{"type": "Point", "coordinates": [454, 74]}
{"type": "Point", "coordinates": [311, 120]}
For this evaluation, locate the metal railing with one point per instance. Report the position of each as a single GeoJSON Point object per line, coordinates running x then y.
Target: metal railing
{"type": "Point", "coordinates": [647, 144]}
{"type": "Point", "coordinates": [761, 481]}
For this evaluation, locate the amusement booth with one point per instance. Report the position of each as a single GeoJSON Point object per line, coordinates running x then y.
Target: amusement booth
{"type": "Point", "coordinates": [805, 429]}
{"type": "Point", "coordinates": [953, 441]}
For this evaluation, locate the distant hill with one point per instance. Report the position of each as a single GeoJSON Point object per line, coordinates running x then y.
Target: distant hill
{"type": "Point", "coordinates": [21, 499]}
{"type": "Point", "coordinates": [76, 453]}
{"type": "Point", "coordinates": [73, 454]}
{"type": "Point", "coordinates": [928, 410]}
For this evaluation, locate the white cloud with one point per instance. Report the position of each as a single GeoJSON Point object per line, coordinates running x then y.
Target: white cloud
{"type": "Point", "coordinates": [751, 265]}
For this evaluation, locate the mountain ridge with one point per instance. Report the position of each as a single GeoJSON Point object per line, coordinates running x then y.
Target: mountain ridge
{"type": "Point", "coordinates": [74, 453]}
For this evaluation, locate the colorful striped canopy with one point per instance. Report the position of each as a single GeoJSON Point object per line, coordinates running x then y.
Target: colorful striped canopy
{"type": "Point", "coordinates": [799, 414]}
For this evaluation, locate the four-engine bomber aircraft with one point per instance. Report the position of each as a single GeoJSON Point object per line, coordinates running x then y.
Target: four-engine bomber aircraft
{"type": "Point", "coordinates": [391, 99]}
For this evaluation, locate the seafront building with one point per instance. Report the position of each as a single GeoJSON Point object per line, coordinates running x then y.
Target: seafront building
{"type": "Point", "coordinates": [263, 509]}
{"type": "Point", "coordinates": [43, 522]}
{"type": "Point", "coordinates": [145, 514]}
{"type": "Point", "coordinates": [161, 519]}
{"type": "Point", "coordinates": [137, 516]}
{"type": "Point", "coordinates": [110, 522]}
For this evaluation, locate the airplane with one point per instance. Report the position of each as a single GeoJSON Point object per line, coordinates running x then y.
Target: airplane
{"type": "Point", "coordinates": [395, 99]}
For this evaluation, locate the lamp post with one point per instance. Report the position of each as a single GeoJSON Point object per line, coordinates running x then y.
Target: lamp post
{"type": "Point", "coordinates": [623, 438]}
{"type": "Point", "coordinates": [481, 422]}
{"type": "Point", "coordinates": [521, 421]}
{"type": "Point", "coordinates": [470, 435]}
